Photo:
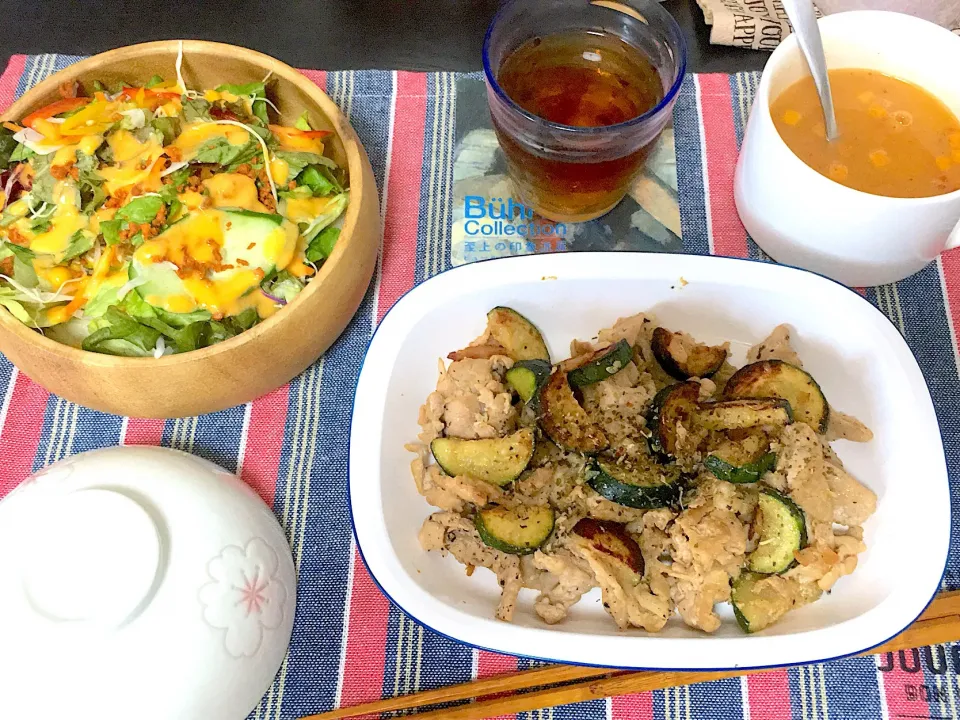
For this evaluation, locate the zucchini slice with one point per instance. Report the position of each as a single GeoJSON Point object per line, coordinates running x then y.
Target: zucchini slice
{"type": "Point", "coordinates": [756, 604]}
{"type": "Point", "coordinates": [519, 336]}
{"type": "Point", "coordinates": [601, 364]}
{"type": "Point", "coordinates": [778, 379]}
{"type": "Point", "coordinates": [653, 419]}
{"type": "Point", "coordinates": [677, 405]}
{"type": "Point", "coordinates": [782, 529]}
{"type": "Point", "coordinates": [611, 539]}
{"type": "Point", "coordinates": [744, 413]}
{"type": "Point", "coordinates": [497, 460]}
{"type": "Point", "coordinates": [750, 472]}
{"type": "Point", "coordinates": [518, 530]}
{"type": "Point", "coordinates": [743, 461]}
{"type": "Point", "coordinates": [565, 421]}
{"type": "Point", "coordinates": [646, 484]}
{"type": "Point", "coordinates": [683, 357]}
{"type": "Point", "coordinates": [527, 377]}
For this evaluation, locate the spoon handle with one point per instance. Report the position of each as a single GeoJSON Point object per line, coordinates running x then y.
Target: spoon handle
{"type": "Point", "coordinates": [804, 20]}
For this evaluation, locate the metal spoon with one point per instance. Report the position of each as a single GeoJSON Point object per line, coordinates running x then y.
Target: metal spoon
{"type": "Point", "coordinates": [804, 20]}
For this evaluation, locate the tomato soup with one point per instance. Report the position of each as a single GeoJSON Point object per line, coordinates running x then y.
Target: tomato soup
{"type": "Point", "coordinates": [896, 139]}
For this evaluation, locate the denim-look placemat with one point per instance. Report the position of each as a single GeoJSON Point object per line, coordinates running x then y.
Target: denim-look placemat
{"type": "Point", "coordinates": [429, 141]}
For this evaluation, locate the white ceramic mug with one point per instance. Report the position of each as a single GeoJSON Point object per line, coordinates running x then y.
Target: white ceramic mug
{"type": "Point", "coordinates": [802, 218]}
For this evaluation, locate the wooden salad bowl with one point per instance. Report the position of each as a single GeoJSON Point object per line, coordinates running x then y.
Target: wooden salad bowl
{"type": "Point", "coordinates": [269, 354]}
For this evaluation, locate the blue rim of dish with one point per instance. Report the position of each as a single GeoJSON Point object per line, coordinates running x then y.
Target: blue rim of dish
{"type": "Point", "coordinates": [668, 96]}
{"type": "Point", "coordinates": [432, 629]}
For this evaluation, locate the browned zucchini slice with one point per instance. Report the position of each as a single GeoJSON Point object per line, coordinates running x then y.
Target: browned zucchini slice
{"type": "Point", "coordinates": [679, 404]}
{"type": "Point", "coordinates": [743, 460]}
{"type": "Point", "coordinates": [611, 539]}
{"type": "Point", "coordinates": [778, 379]}
{"type": "Point", "coordinates": [683, 357]}
{"type": "Point", "coordinates": [643, 484]}
{"type": "Point", "coordinates": [601, 364]}
{"type": "Point", "coordinates": [565, 421]}
{"type": "Point", "coordinates": [520, 337]}
{"type": "Point", "coordinates": [744, 413]}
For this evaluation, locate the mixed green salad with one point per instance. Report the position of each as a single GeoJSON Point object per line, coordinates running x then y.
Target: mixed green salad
{"type": "Point", "coordinates": [154, 219]}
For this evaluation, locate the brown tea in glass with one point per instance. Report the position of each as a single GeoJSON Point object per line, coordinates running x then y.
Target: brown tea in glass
{"type": "Point", "coordinates": [578, 109]}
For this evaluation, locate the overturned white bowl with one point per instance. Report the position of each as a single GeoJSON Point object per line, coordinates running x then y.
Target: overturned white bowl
{"type": "Point", "coordinates": [140, 582]}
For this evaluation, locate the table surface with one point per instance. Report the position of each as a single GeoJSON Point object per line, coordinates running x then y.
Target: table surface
{"type": "Point", "coordinates": [334, 34]}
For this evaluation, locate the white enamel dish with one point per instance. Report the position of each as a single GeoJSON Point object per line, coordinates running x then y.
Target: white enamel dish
{"type": "Point", "coordinates": [862, 363]}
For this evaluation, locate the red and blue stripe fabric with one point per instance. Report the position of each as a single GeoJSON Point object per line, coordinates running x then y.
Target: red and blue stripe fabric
{"type": "Point", "coordinates": [350, 644]}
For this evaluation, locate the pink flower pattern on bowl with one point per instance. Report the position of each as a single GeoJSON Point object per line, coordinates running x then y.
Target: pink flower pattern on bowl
{"type": "Point", "coordinates": [245, 597]}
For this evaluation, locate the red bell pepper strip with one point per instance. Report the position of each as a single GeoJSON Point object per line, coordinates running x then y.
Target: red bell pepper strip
{"type": "Point", "coordinates": [55, 108]}
{"type": "Point", "coordinates": [130, 92]}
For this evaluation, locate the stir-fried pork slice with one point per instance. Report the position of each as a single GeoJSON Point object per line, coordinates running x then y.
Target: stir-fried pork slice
{"type": "Point", "coordinates": [775, 347]}
{"type": "Point", "coordinates": [822, 565]}
{"type": "Point", "coordinates": [651, 534]}
{"type": "Point", "coordinates": [471, 401]}
{"type": "Point", "coordinates": [841, 426]}
{"type": "Point", "coordinates": [635, 329]}
{"type": "Point", "coordinates": [853, 503]}
{"type": "Point", "coordinates": [453, 533]}
{"type": "Point", "coordinates": [800, 471]}
{"type": "Point", "coordinates": [424, 475]}
{"type": "Point", "coordinates": [599, 508]}
{"type": "Point", "coordinates": [619, 405]}
{"type": "Point", "coordinates": [626, 595]}
{"type": "Point", "coordinates": [707, 543]}
{"type": "Point", "coordinates": [566, 578]}
{"type": "Point", "coordinates": [782, 594]}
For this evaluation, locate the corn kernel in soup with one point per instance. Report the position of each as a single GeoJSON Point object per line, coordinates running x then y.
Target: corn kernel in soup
{"type": "Point", "coordinates": [896, 139]}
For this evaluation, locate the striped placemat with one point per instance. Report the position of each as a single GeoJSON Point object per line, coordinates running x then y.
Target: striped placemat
{"type": "Point", "coordinates": [429, 142]}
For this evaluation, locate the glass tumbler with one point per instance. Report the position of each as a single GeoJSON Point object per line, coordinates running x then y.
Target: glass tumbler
{"type": "Point", "coordinates": [569, 173]}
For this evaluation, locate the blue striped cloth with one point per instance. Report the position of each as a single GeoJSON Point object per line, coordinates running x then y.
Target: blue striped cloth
{"type": "Point", "coordinates": [349, 644]}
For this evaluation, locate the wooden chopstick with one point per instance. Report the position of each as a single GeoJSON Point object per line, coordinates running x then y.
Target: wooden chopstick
{"type": "Point", "coordinates": [939, 623]}
{"type": "Point", "coordinates": [505, 683]}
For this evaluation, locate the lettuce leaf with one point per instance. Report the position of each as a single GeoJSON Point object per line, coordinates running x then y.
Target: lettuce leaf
{"type": "Point", "coordinates": [21, 153]}
{"type": "Point", "coordinates": [105, 296]}
{"type": "Point", "coordinates": [89, 183]}
{"type": "Point", "coordinates": [140, 210]}
{"type": "Point", "coordinates": [176, 181]}
{"type": "Point", "coordinates": [299, 160]}
{"type": "Point", "coordinates": [7, 147]}
{"type": "Point", "coordinates": [8, 299]}
{"type": "Point", "coordinates": [110, 229]}
{"type": "Point", "coordinates": [43, 181]}
{"type": "Point", "coordinates": [220, 151]}
{"type": "Point", "coordinates": [80, 242]}
{"type": "Point", "coordinates": [284, 286]}
{"type": "Point", "coordinates": [303, 122]}
{"type": "Point", "coordinates": [195, 109]}
{"type": "Point", "coordinates": [322, 245]}
{"type": "Point", "coordinates": [23, 271]}
{"type": "Point", "coordinates": [8, 217]}
{"type": "Point", "coordinates": [320, 181]}
{"type": "Point", "coordinates": [120, 334]}
{"type": "Point", "coordinates": [167, 127]}
{"type": "Point", "coordinates": [334, 210]}
{"type": "Point", "coordinates": [253, 89]}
